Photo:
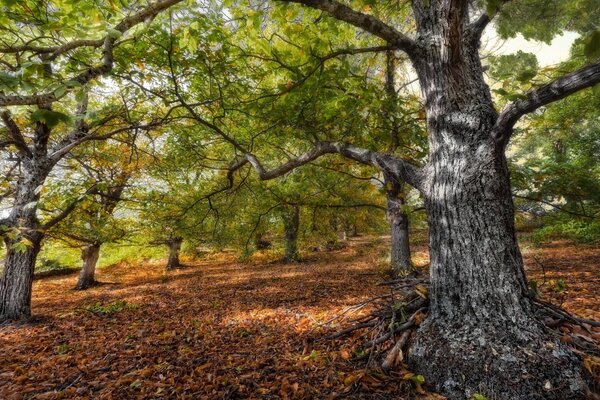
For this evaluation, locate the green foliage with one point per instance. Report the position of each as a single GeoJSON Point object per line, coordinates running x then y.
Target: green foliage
{"type": "Point", "coordinates": [110, 308]}
{"type": "Point", "coordinates": [48, 117]}
{"type": "Point", "coordinates": [544, 19]}
{"type": "Point", "coordinates": [519, 66]}
{"type": "Point", "coordinates": [580, 231]}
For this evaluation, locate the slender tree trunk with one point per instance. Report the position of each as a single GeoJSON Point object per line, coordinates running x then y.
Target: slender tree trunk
{"type": "Point", "coordinates": [174, 250]}
{"type": "Point", "coordinates": [481, 334]}
{"type": "Point", "coordinates": [89, 256]}
{"type": "Point", "coordinates": [19, 263]}
{"type": "Point", "coordinates": [400, 258]}
{"type": "Point", "coordinates": [291, 224]}
{"type": "Point", "coordinates": [17, 281]}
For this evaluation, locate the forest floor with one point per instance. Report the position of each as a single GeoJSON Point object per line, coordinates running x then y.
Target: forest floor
{"type": "Point", "coordinates": [221, 329]}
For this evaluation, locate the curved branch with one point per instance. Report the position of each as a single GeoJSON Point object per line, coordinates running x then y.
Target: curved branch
{"type": "Point", "coordinates": [394, 166]}
{"type": "Point", "coordinates": [364, 21]}
{"type": "Point", "coordinates": [558, 89]}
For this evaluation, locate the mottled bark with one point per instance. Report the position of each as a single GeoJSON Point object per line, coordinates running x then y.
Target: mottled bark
{"type": "Point", "coordinates": [481, 335]}
{"type": "Point", "coordinates": [19, 263]}
{"type": "Point", "coordinates": [400, 258]}
{"type": "Point", "coordinates": [16, 282]}
{"type": "Point", "coordinates": [174, 250]}
{"type": "Point", "coordinates": [291, 225]}
{"type": "Point", "coordinates": [89, 256]}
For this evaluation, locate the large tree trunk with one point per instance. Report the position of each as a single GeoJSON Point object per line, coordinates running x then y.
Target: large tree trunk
{"type": "Point", "coordinates": [174, 250]}
{"type": "Point", "coordinates": [481, 334]}
{"type": "Point", "coordinates": [89, 256]}
{"type": "Point", "coordinates": [291, 225]}
{"type": "Point", "coordinates": [400, 261]}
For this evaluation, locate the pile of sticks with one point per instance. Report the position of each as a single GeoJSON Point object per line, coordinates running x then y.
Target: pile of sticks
{"type": "Point", "coordinates": [388, 330]}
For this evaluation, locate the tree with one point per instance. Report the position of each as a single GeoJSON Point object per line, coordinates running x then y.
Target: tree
{"type": "Point", "coordinates": [43, 57]}
{"type": "Point", "coordinates": [481, 334]}
{"type": "Point", "coordinates": [109, 167]}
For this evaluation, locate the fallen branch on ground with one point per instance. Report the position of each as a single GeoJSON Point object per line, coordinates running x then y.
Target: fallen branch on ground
{"type": "Point", "coordinates": [394, 318]}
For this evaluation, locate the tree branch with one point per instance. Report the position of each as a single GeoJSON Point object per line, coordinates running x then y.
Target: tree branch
{"type": "Point", "coordinates": [394, 166]}
{"type": "Point", "coordinates": [364, 21]}
{"type": "Point", "coordinates": [558, 89]}
{"type": "Point", "coordinates": [98, 70]}
{"type": "Point", "coordinates": [15, 134]}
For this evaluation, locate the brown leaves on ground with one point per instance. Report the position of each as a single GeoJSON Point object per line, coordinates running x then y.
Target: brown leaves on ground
{"type": "Point", "coordinates": [220, 329]}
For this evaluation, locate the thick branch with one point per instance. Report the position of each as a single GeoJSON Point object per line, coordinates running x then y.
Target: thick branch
{"type": "Point", "coordinates": [51, 52]}
{"type": "Point", "coordinates": [98, 70]}
{"type": "Point", "coordinates": [364, 21]}
{"type": "Point", "coordinates": [397, 167]}
{"type": "Point", "coordinates": [560, 88]}
{"type": "Point", "coordinates": [15, 134]}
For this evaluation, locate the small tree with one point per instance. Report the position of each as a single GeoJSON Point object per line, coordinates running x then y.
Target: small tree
{"type": "Point", "coordinates": [44, 83]}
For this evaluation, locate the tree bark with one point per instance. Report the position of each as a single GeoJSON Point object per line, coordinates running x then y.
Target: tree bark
{"type": "Point", "coordinates": [291, 225]}
{"type": "Point", "coordinates": [174, 250]}
{"type": "Point", "coordinates": [89, 256]}
{"type": "Point", "coordinates": [19, 264]}
{"type": "Point", "coordinates": [16, 281]}
{"type": "Point", "coordinates": [400, 257]}
{"type": "Point", "coordinates": [481, 334]}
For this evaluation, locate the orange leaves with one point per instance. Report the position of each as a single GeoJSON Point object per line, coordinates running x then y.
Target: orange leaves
{"type": "Point", "coordinates": [219, 329]}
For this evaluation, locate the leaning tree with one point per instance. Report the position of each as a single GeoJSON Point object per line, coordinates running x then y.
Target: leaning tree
{"type": "Point", "coordinates": [50, 53]}
{"type": "Point", "coordinates": [481, 334]}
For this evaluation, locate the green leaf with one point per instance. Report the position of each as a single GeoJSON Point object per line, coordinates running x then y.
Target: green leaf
{"type": "Point", "coordinates": [50, 118]}
{"type": "Point", "coordinates": [592, 46]}
{"type": "Point", "coordinates": [492, 7]}
{"type": "Point", "coordinates": [113, 33]}
{"type": "Point", "coordinates": [60, 91]}
{"type": "Point", "coordinates": [419, 379]}
{"type": "Point", "coordinates": [22, 245]}
{"type": "Point", "coordinates": [478, 396]}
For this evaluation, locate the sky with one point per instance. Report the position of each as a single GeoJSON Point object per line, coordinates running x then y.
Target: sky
{"type": "Point", "coordinates": [551, 54]}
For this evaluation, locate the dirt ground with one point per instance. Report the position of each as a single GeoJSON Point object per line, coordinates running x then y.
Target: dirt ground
{"type": "Point", "coordinates": [220, 329]}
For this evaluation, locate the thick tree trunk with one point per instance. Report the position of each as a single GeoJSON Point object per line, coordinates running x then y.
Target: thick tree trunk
{"type": "Point", "coordinates": [89, 256]}
{"type": "Point", "coordinates": [174, 250]}
{"type": "Point", "coordinates": [481, 334]}
{"type": "Point", "coordinates": [291, 225]}
{"type": "Point", "coordinates": [400, 259]}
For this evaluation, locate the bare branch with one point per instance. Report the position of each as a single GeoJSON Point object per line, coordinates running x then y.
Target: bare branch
{"type": "Point", "coordinates": [394, 166]}
{"type": "Point", "coordinates": [558, 89]}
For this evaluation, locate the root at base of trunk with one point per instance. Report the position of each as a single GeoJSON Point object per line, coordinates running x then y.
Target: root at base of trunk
{"type": "Point", "coordinates": [389, 332]}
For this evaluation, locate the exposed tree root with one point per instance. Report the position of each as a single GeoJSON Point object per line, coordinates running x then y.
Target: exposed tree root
{"type": "Point", "coordinates": [391, 325]}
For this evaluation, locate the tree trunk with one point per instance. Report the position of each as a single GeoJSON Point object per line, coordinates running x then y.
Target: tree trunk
{"type": "Point", "coordinates": [291, 224]}
{"type": "Point", "coordinates": [89, 256]}
{"type": "Point", "coordinates": [400, 260]}
{"type": "Point", "coordinates": [16, 281]}
{"type": "Point", "coordinates": [19, 263]}
{"type": "Point", "coordinates": [481, 334]}
{"type": "Point", "coordinates": [174, 250]}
